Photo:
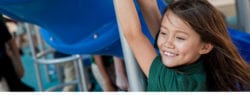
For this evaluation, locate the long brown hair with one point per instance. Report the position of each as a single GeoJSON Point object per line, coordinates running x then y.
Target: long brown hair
{"type": "Point", "coordinates": [226, 70]}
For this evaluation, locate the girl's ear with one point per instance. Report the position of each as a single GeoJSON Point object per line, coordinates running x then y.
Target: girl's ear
{"type": "Point", "coordinates": [206, 48]}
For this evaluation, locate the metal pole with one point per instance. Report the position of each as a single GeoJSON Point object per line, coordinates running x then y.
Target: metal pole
{"type": "Point", "coordinates": [77, 75]}
{"type": "Point", "coordinates": [41, 47]}
{"type": "Point", "coordinates": [135, 75]}
{"type": "Point", "coordinates": [82, 75]}
{"type": "Point", "coordinates": [243, 14]}
{"type": "Point", "coordinates": [38, 75]}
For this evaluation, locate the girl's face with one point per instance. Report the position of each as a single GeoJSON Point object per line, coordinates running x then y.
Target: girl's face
{"type": "Point", "coordinates": [178, 43]}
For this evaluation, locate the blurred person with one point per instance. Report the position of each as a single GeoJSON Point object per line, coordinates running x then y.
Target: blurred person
{"type": "Point", "coordinates": [12, 26]}
{"type": "Point", "coordinates": [11, 72]}
{"type": "Point", "coordinates": [111, 73]}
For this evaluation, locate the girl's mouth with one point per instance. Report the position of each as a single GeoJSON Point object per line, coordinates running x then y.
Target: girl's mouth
{"type": "Point", "coordinates": [170, 54]}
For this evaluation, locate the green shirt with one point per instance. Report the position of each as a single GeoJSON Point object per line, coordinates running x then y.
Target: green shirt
{"type": "Point", "coordinates": [184, 78]}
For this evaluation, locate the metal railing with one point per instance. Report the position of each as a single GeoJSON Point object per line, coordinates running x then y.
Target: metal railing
{"type": "Point", "coordinates": [40, 60]}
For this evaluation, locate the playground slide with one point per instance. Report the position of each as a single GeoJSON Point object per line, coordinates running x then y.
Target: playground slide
{"type": "Point", "coordinates": [79, 27]}
{"type": "Point", "coordinates": [86, 26]}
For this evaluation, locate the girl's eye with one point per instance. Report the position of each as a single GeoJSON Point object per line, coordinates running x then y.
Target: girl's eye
{"type": "Point", "coordinates": [180, 38]}
{"type": "Point", "coordinates": [162, 33]}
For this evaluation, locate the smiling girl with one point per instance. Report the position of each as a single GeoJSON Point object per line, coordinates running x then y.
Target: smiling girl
{"type": "Point", "coordinates": [196, 52]}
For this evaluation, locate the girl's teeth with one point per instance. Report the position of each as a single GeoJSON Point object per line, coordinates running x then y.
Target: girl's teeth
{"type": "Point", "coordinates": [169, 54]}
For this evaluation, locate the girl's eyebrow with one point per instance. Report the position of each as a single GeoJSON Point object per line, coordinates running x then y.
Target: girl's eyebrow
{"type": "Point", "coordinates": [180, 31]}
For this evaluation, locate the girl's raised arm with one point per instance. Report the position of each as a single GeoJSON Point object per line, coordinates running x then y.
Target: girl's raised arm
{"type": "Point", "coordinates": [131, 28]}
{"type": "Point", "coordinates": [151, 14]}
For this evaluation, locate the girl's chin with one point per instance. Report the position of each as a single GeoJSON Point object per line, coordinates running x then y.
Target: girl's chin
{"type": "Point", "coordinates": [170, 65]}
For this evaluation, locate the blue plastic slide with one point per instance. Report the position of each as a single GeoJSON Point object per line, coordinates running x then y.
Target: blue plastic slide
{"type": "Point", "coordinates": [73, 27]}
{"type": "Point", "coordinates": [86, 26]}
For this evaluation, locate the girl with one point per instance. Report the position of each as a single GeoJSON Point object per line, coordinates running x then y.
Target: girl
{"type": "Point", "coordinates": [196, 52]}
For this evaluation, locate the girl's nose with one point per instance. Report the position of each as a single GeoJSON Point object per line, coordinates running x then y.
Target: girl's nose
{"type": "Point", "coordinates": [169, 44]}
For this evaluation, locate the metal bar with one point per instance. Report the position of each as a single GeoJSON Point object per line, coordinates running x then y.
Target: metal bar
{"type": "Point", "coordinates": [41, 47]}
{"type": "Point", "coordinates": [57, 60]}
{"type": "Point", "coordinates": [77, 75]}
{"type": "Point", "coordinates": [39, 39]}
{"type": "Point", "coordinates": [38, 75]}
{"type": "Point", "coordinates": [135, 75]}
{"type": "Point", "coordinates": [82, 75]}
{"type": "Point", "coordinates": [243, 14]}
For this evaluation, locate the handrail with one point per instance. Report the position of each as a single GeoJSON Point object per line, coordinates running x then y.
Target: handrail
{"type": "Point", "coordinates": [45, 52]}
{"type": "Point", "coordinates": [57, 60]}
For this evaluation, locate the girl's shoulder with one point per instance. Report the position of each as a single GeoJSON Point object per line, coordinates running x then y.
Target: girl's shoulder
{"type": "Point", "coordinates": [171, 79]}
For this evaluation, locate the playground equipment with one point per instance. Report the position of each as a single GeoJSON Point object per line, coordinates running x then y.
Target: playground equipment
{"type": "Point", "coordinates": [79, 27]}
